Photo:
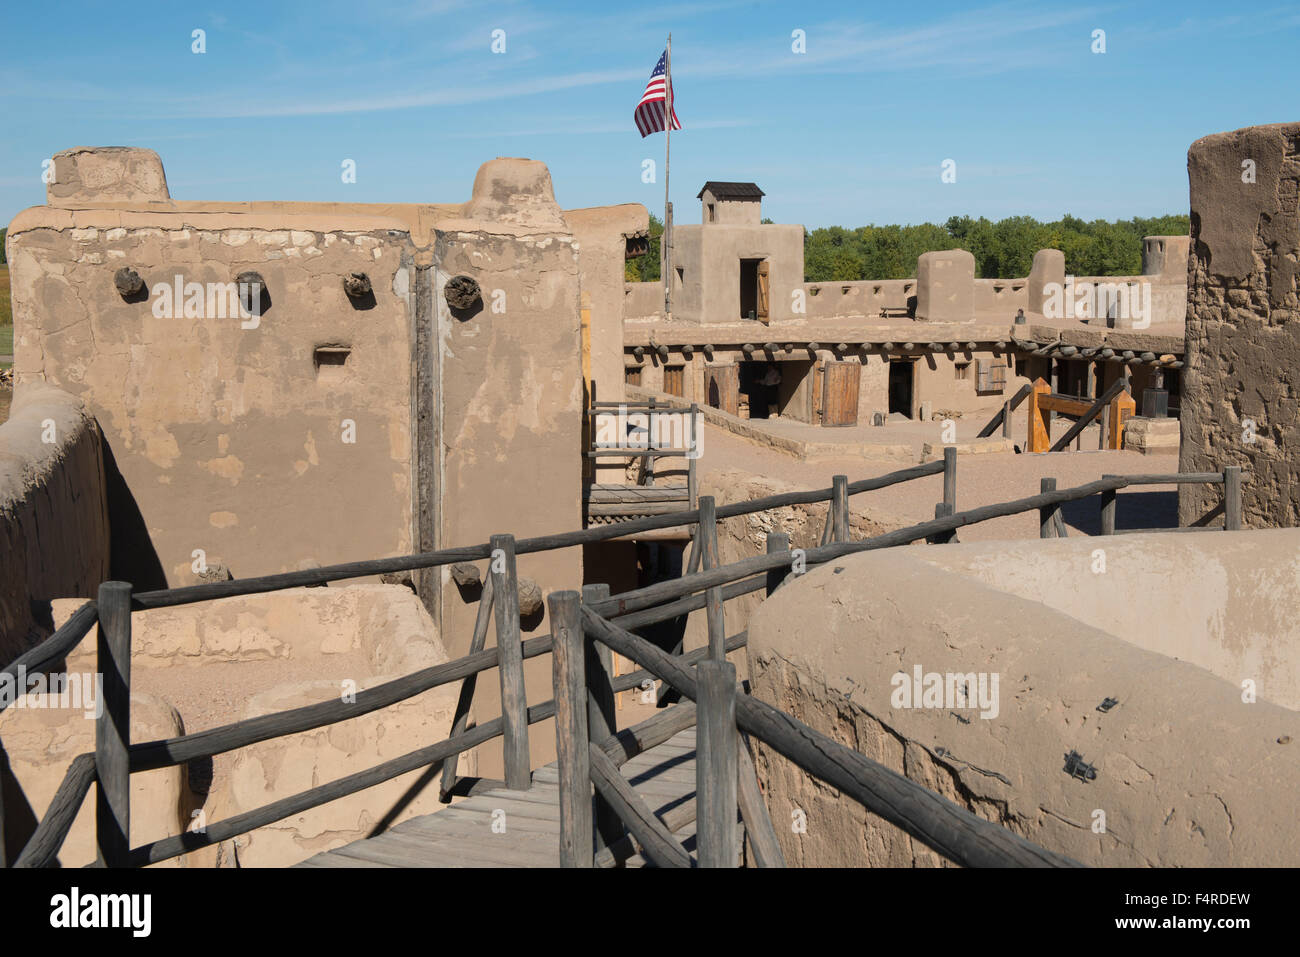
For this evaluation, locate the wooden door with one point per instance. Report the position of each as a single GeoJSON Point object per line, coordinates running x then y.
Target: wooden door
{"type": "Point", "coordinates": [722, 387]}
{"type": "Point", "coordinates": [840, 382]}
{"type": "Point", "coordinates": [675, 380]}
{"type": "Point", "coordinates": [764, 309]}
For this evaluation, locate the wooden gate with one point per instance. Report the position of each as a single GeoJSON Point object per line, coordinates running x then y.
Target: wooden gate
{"type": "Point", "coordinates": [722, 387]}
{"type": "Point", "coordinates": [839, 398]}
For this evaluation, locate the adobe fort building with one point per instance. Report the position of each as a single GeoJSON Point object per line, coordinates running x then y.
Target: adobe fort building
{"type": "Point", "coordinates": [856, 352]}
{"type": "Point", "coordinates": [207, 390]}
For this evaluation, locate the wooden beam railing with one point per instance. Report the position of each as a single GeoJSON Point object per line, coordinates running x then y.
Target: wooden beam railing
{"type": "Point", "coordinates": [116, 757]}
{"type": "Point", "coordinates": [1229, 478]}
{"type": "Point", "coordinates": [190, 594]}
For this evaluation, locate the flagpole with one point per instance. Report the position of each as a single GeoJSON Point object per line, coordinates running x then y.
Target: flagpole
{"type": "Point", "coordinates": [667, 240]}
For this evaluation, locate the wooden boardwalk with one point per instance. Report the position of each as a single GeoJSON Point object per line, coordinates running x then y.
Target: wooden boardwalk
{"type": "Point", "coordinates": [528, 832]}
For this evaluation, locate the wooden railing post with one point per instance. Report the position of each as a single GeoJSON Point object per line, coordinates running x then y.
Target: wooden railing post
{"type": "Point", "coordinates": [572, 742]}
{"type": "Point", "coordinates": [1108, 508]}
{"type": "Point", "coordinates": [1046, 514]}
{"type": "Point", "coordinates": [113, 727]}
{"type": "Point", "coordinates": [950, 477]}
{"type": "Point", "coordinates": [1006, 419]}
{"type": "Point", "coordinates": [1232, 498]}
{"type": "Point", "coordinates": [713, 597]}
{"type": "Point", "coordinates": [942, 510]}
{"type": "Point", "coordinates": [460, 719]}
{"type": "Point", "coordinates": [715, 767]}
{"type": "Point", "coordinates": [510, 662]}
{"type": "Point", "coordinates": [840, 508]}
{"type": "Point", "coordinates": [692, 479]}
{"type": "Point", "coordinates": [602, 721]}
{"type": "Point", "coordinates": [776, 542]}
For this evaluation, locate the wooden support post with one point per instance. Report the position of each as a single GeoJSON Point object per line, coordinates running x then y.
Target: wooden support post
{"type": "Point", "coordinates": [776, 542]}
{"type": "Point", "coordinates": [113, 727]}
{"type": "Point", "coordinates": [1122, 408]}
{"type": "Point", "coordinates": [1104, 418]}
{"type": "Point", "coordinates": [460, 720]}
{"type": "Point", "coordinates": [1046, 514]}
{"type": "Point", "coordinates": [942, 510]}
{"type": "Point", "coordinates": [602, 721]}
{"type": "Point", "coordinates": [950, 477]}
{"type": "Point", "coordinates": [692, 481]}
{"type": "Point", "coordinates": [1038, 438]}
{"type": "Point", "coordinates": [1108, 508]}
{"type": "Point", "coordinates": [713, 597]}
{"type": "Point", "coordinates": [716, 742]}
{"type": "Point", "coordinates": [1055, 368]}
{"type": "Point", "coordinates": [758, 825]}
{"type": "Point", "coordinates": [1232, 498]}
{"type": "Point", "coordinates": [510, 662]}
{"type": "Point", "coordinates": [572, 743]}
{"type": "Point", "coordinates": [1006, 419]}
{"type": "Point", "coordinates": [840, 508]}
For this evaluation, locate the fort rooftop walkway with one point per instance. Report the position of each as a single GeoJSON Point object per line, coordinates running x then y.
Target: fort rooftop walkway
{"type": "Point", "coordinates": [527, 823]}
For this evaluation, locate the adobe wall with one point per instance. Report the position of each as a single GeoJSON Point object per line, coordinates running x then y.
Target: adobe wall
{"type": "Point", "coordinates": [601, 257]}
{"type": "Point", "coordinates": [1240, 406]}
{"type": "Point", "coordinates": [864, 298]}
{"type": "Point", "coordinates": [1177, 785]}
{"type": "Point", "coordinates": [710, 258]}
{"type": "Point", "coordinates": [511, 400]}
{"type": "Point", "coordinates": [222, 434]}
{"type": "Point", "coordinates": [54, 531]}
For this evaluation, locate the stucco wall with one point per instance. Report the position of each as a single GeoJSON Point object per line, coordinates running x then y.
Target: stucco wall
{"type": "Point", "coordinates": [1243, 340]}
{"type": "Point", "coordinates": [54, 531]}
{"type": "Point", "coordinates": [601, 258]}
{"type": "Point", "coordinates": [1188, 773]}
{"type": "Point", "coordinates": [225, 438]}
{"type": "Point", "coordinates": [710, 257]}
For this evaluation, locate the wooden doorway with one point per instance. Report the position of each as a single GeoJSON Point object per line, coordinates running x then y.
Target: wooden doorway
{"type": "Point", "coordinates": [755, 291]}
{"type": "Point", "coordinates": [838, 393]}
{"type": "Point", "coordinates": [722, 387]}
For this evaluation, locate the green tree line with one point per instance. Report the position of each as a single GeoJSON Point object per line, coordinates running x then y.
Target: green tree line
{"type": "Point", "coordinates": [1002, 250]}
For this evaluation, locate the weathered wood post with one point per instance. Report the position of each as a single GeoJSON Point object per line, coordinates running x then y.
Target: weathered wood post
{"type": "Point", "coordinates": [598, 662]}
{"type": "Point", "coordinates": [510, 662]}
{"type": "Point", "coordinates": [840, 508]}
{"type": "Point", "coordinates": [1006, 419]}
{"type": "Point", "coordinates": [568, 653]}
{"type": "Point", "coordinates": [712, 597]}
{"type": "Point", "coordinates": [692, 480]}
{"type": "Point", "coordinates": [715, 768]}
{"type": "Point", "coordinates": [460, 720]}
{"type": "Point", "coordinates": [950, 477]}
{"type": "Point", "coordinates": [113, 726]}
{"type": "Point", "coordinates": [1047, 513]}
{"type": "Point", "coordinates": [776, 542]}
{"type": "Point", "coordinates": [1038, 438]}
{"type": "Point", "coordinates": [758, 824]}
{"type": "Point", "coordinates": [1232, 498]}
{"type": "Point", "coordinates": [1108, 508]}
{"type": "Point", "coordinates": [942, 510]}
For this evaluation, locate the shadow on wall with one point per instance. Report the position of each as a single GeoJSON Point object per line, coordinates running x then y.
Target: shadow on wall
{"type": "Point", "coordinates": [132, 557]}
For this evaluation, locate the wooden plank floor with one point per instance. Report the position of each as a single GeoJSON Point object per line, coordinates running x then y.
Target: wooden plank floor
{"type": "Point", "coordinates": [461, 835]}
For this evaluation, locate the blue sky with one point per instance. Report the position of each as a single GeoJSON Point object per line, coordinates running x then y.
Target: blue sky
{"type": "Point", "coordinates": [851, 132]}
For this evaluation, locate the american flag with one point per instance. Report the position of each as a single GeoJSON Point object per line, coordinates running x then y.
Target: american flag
{"type": "Point", "coordinates": [650, 111]}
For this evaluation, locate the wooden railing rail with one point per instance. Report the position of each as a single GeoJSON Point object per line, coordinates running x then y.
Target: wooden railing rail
{"type": "Point", "coordinates": [190, 594]}
{"type": "Point", "coordinates": [51, 651]}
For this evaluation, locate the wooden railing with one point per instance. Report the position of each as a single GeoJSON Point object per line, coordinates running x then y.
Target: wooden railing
{"type": "Point", "coordinates": [1052, 522]}
{"type": "Point", "coordinates": [581, 672]}
{"type": "Point", "coordinates": [115, 758]}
